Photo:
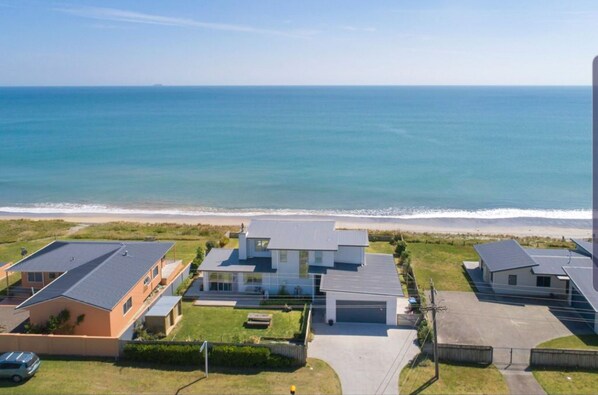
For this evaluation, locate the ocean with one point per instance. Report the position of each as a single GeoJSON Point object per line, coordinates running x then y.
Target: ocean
{"type": "Point", "coordinates": [400, 152]}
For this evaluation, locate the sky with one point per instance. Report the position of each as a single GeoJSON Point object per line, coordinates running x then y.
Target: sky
{"type": "Point", "coordinates": [297, 42]}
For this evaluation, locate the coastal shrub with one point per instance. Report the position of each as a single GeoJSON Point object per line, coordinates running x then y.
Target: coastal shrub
{"type": "Point", "coordinates": [58, 324]}
{"type": "Point", "coordinates": [200, 254]}
{"type": "Point", "coordinates": [167, 354]}
{"type": "Point", "coordinates": [209, 245]}
{"type": "Point", "coordinates": [405, 258]}
{"type": "Point", "coordinates": [400, 247]}
{"type": "Point", "coordinates": [223, 241]}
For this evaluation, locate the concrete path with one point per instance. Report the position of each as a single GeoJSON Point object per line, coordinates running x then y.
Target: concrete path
{"type": "Point", "coordinates": [368, 358]}
{"type": "Point", "coordinates": [522, 382]}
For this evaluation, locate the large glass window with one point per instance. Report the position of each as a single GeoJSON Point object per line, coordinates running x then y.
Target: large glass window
{"type": "Point", "coordinates": [283, 256]}
{"type": "Point", "coordinates": [221, 281]}
{"type": "Point", "coordinates": [318, 257]}
{"type": "Point", "coordinates": [34, 277]}
{"type": "Point", "coordinates": [127, 305]}
{"type": "Point", "coordinates": [512, 279]}
{"type": "Point", "coordinates": [261, 245]}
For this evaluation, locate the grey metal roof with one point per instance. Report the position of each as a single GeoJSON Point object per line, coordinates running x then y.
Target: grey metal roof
{"type": "Point", "coordinates": [583, 279]}
{"type": "Point", "coordinates": [355, 238]}
{"type": "Point", "coordinates": [584, 245]}
{"type": "Point", "coordinates": [551, 261]}
{"type": "Point", "coordinates": [504, 255]}
{"type": "Point", "coordinates": [295, 235]}
{"type": "Point", "coordinates": [105, 279]}
{"type": "Point", "coordinates": [163, 306]}
{"type": "Point", "coordinates": [227, 260]}
{"type": "Point", "coordinates": [378, 276]}
{"type": "Point", "coordinates": [62, 256]}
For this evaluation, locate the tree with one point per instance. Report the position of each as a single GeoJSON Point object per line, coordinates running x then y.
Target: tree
{"type": "Point", "coordinates": [209, 245]}
{"type": "Point", "coordinates": [199, 257]}
{"type": "Point", "coordinates": [400, 247]}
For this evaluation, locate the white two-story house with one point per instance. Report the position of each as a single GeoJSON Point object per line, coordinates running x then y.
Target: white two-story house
{"type": "Point", "coordinates": [311, 259]}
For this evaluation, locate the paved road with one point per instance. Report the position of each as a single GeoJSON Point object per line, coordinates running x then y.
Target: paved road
{"type": "Point", "coordinates": [367, 357]}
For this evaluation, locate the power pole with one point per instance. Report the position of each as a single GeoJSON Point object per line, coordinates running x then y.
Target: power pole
{"type": "Point", "coordinates": [434, 308]}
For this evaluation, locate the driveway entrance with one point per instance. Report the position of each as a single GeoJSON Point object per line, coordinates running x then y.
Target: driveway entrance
{"type": "Point", "coordinates": [368, 358]}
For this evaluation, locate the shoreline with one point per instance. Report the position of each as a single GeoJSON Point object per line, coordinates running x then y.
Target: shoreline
{"type": "Point", "coordinates": [555, 228]}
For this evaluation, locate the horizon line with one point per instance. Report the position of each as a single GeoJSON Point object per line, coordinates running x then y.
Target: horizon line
{"type": "Point", "coordinates": [158, 85]}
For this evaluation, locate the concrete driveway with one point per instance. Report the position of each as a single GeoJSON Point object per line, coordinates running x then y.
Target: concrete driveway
{"type": "Point", "coordinates": [497, 321]}
{"type": "Point", "coordinates": [367, 357]}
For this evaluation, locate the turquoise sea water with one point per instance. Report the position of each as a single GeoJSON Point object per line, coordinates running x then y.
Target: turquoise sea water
{"type": "Point", "coordinates": [390, 151]}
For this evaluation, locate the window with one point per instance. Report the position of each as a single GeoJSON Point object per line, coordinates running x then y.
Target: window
{"type": "Point", "coordinates": [543, 281]}
{"type": "Point", "coordinates": [155, 272]}
{"type": "Point", "coordinates": [261, 245]}
{"type": "Point", "coordinates": [318, 256]}
{"type": "Point", "coordinates": [52, 276]}
{"type": "Point", "coordinates": [146, 281]}
{"type": "Point", "coordinates": [512, 279]}
{"type": "Point", "coordinates": [127, 305]}
{"type": "Point", "coordinates": [34, 277]}
{"type": "Point", "coordinates": [283, 256]}
{"type": "Point", "coordinates": [253, 279]}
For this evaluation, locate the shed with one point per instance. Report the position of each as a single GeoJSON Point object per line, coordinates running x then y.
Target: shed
{"type": "Point", "coordinates": [164, 315]}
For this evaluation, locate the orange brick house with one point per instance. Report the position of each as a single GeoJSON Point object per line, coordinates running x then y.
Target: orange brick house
{"type": "Point", "coordinates": [107, 282]}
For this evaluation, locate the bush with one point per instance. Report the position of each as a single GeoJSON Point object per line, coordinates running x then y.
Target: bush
{"type": "Point", "coordinates": [209, 245]}
{"type": "Point", "coordinates": [199, 257]}
{"type": "Point", "coordinates": [400, 247]}
{"type": "Point", "coordinates": [223, 241]}
{"type": "Point", "coordinates": [220, 355]}
{"type": "Point", "coordinates": [57, 324]}
{"type": "Point", "coordinates": [183, 286]}
{"type": "Point", "coordinates": [167, 354]}
{"type": "Point", "coordinates": [424, 332]}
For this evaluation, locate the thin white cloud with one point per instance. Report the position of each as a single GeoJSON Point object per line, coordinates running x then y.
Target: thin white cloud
{"type": "Point", "coordinates": [125, 16]}
{"type": "Point", "coordinates": [358, 29]}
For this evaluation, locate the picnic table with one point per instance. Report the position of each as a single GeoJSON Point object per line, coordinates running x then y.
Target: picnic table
{"type": "Point", "coordinates": [259, 320]}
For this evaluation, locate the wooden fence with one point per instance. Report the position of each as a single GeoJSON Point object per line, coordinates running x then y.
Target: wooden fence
{"type": "Point", "coordinates": [583, 359]}
{"type": "Point", "coordinates": [462, 353]}
{"type": "Point", "coordinates": [67, 345]}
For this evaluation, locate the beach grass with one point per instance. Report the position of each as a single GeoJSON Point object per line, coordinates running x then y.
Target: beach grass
{"type": "Point", "coordinates": [454, 379]}
{"type": "Point", "coordinates": [62, 376]}
{"type": "Point", "coordinates": [20, 230]}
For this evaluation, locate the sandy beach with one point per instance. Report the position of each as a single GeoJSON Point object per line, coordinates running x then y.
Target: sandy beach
{"type": "Point", "coordinates": [508, 226]}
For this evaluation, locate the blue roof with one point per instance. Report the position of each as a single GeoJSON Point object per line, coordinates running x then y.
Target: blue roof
{"type": "Point", "coordinates": [552, 261]}
{"type": "Point", "coordinates": [583, 279]}
{"type": "Point", "coordinates": [105, 273]}
{"type": "Point", "coordinates": [584, 245]}
{"type": "Point", "coordinates": [163, 306]}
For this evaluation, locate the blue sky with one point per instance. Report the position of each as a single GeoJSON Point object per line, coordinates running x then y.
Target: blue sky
{"type": "Point", "coordinates": [274, 42]}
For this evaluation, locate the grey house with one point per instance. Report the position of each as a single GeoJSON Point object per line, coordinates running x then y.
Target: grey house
{"type": "Point", "coordinates": [310, 259]}
{"type": "Point", "coordinates": [508, 268]}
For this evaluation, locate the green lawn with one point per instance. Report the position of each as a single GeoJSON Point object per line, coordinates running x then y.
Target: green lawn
{"type": "Point", "coordinates": [443, 263]}
{"type": "Point", "coordinates": [226, 324]}
{"type": "Point", "coordinates": [380, 247]}
{"type": "Point", "coordinates": [584, 342]}
{"type": "Point", "coordinates": [104, 377]}
{"type": "Point", "coordinates": [454, 379]}
{"type": "Point", "coordinates": [562, 382]}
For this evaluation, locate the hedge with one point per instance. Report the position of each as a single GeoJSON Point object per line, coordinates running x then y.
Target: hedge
{"type": "Point", "coordinates": [219, 355]}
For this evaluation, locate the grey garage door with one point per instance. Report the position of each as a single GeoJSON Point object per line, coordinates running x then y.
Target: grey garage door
{"type": "Point", "coordinates": [358, 311]}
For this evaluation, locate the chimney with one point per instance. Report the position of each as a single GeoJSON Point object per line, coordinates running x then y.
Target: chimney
{"type": "Point", "coordinates": [243, 242]}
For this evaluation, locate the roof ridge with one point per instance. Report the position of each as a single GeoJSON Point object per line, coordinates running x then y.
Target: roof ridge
{"type": "Point", "coordinates": [108, 257]}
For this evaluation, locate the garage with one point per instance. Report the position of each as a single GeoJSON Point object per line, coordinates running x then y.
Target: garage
{"type": "Point", "coordinates": [360, 311]}
{"type": "Point", "coordinates": [362, 293]}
